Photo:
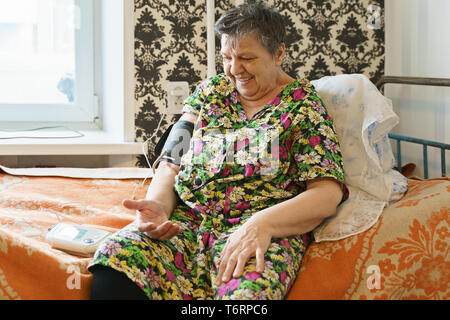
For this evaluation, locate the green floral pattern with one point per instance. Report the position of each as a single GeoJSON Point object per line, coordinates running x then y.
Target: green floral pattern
{"type": "Point", "coordinates": [234, 168]}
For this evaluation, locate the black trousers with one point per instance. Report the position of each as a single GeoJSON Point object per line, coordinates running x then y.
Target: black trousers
{"type": "Point", "coordinates": [109, 284]}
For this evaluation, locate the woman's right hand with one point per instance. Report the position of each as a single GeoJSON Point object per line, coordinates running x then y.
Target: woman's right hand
{"type": "Point", "coordinates": [152, 219]}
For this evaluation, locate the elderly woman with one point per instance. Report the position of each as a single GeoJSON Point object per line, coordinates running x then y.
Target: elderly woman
{"type": "Point", "coordinates": [231, 219]}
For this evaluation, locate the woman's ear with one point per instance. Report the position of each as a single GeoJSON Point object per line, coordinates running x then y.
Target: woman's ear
{"type": "Point", "coordinates": [280, 54]}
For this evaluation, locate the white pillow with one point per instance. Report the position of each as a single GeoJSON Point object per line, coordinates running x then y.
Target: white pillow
{"type": "Point", "coordinates": [363, 117]}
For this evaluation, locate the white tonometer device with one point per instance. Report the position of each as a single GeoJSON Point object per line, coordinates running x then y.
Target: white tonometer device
{"type": "Point", "coordinates": [75, 239]}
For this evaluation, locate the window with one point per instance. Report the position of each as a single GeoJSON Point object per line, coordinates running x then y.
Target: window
{"type": "Point", "coordinates": [47, 61]}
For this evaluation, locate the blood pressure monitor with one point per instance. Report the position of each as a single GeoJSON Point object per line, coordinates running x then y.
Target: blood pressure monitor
{"type": "Point", "coordinates": [75, 239]}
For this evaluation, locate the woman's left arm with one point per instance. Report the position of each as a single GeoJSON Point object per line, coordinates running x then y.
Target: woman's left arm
{"type": "Point", "coordinates": [295, 216]}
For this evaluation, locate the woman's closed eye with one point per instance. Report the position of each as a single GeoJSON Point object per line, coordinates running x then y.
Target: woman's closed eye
{"type": "Point", "coordinates": [225, 58]}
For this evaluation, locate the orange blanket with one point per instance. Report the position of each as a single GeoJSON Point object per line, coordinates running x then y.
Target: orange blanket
{"type": "Point", "coordinates": [404, 256]}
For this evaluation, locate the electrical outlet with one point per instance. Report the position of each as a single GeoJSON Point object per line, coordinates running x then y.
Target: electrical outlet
{"type": "Point", "coordinates": [177, 92]}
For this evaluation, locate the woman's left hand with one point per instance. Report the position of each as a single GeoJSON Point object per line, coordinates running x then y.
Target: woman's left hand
{"type": "Point", "coordinates": [249, 240]}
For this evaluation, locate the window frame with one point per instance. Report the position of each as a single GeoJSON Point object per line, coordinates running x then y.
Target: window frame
{"type": "Point", "coordinates": [85, 108]}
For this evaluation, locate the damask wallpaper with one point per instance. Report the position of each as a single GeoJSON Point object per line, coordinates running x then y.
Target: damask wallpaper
{"type": "Point", "coordinates": [324, 37]}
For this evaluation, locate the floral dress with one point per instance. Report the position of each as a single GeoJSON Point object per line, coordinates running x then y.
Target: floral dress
{"type": "Point", "coordinates": [234, 168]}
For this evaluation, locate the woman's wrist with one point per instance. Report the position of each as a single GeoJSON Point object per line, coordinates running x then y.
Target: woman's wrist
{"type": "Point", "coordinates": [161, 188]}
{"type": "Point", "coordinates": [166, 208]}
{"type": "Point", "coordinates": [263, 222]}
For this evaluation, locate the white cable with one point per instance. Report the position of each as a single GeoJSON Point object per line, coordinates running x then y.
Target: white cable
{"type": "Point", "coordinates": [155, 132]}
{"type": "Point", "coordinates": [38, 129]}
{"type": "Point", "coordinates": [145, 152]}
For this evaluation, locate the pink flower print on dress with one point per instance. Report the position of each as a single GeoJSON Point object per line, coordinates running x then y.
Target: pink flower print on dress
{"type": "Point", "coordinates": [230, 285]}
{"type": "Point", "coordinates": [285, 243]}
{"type": "Point", "coordinates": [215, 110]}
{"type": "Point", "coordinates": [179, 263]}
{"type": "Point", "coordinates": [285, 120]}
{"type": "Point", "coordinates": [274, 101]}
{"type": "Point", "coordinates": [239, 144]}
{"type": "Point", "coordinates": [278, 151]}
{"type": "Point", "coordinates": [198, 146]}
{"type": "Point", "coordinates": [226, 171]}
{"type": "Point", "coordinates": [212, 207]}
{"type": "Point", "coordinates": [234, 220]}
{"type": "Point", "coordinates": [252, 275]}
{"type": "Point", "coordinates": [314, 141]}
{"type": "Point", "coordinates": [283, 276]}
{"type": "Point", "coordinates": [319, 107]}
{"type": "Point", "coordinates": [110, 248]}
{"type": "Point", "coordinates": [328, 165]}
{"type": "Point", "coordinates": [298, 95]}
{"type": "Point", "coordinates": [170, 276]}
{"type": "Point", "coordinates": [241, 206]}
{"type": "Point", "coordinates": [248, 170]}
{"type": "Point", "coordinates": [205, 238]}
{"type": "Point", "coordinates": [330, 145]}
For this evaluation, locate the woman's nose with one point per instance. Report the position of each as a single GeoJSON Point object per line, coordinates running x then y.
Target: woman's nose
{"type": "Point", "coordinates": [235, 67]}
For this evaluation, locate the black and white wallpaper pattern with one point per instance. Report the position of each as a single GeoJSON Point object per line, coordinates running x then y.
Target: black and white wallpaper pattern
{"type": "Point", "coordinates": [324, 37]}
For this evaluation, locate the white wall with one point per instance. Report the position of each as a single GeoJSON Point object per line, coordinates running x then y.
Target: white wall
{"type": "Point", "coordinates": [418, 44]}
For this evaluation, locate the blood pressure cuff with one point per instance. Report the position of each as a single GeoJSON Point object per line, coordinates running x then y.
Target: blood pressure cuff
{"type": "Point", "coordinates": [175, 141]}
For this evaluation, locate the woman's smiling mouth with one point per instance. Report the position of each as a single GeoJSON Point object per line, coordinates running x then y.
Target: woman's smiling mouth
{"type": "Point", "coordinates": [244, 81]}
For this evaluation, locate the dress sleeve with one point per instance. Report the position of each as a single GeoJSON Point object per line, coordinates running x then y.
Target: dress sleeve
{"type": "Point", "coordinates": [194, 102]}
{"type": "Point", "coordinates": [315, 149]}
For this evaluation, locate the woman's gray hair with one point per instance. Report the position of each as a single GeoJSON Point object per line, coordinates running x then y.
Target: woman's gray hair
{"type": "Point", "coordinates": [254, 17]}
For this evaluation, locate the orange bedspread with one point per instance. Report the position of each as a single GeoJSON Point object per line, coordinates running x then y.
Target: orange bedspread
{"type": "Point", "coordinates": [404, 256]}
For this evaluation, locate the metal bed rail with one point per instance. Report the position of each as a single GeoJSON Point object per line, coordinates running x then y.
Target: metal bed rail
{"type": "Point", "coordinates": [425, 143]}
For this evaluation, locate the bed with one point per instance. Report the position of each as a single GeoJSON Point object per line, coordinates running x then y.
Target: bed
{"type": "Point", "coordinates": [401, 252]}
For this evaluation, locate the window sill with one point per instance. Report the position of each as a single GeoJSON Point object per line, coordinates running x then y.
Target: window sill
{"type": "Point", "coordinates": [92, 143]}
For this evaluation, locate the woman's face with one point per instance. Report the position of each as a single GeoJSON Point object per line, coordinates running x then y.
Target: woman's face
{"type": "Point", "coordinates": [250, 66]}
